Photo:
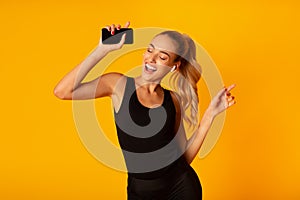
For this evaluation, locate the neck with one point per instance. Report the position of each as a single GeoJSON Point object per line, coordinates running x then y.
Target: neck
{"type": "Point", "coordinates": [149, 86]}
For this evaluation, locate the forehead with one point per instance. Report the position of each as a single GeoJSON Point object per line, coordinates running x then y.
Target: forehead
{"type": "Point", "coordinates": [164, 43]}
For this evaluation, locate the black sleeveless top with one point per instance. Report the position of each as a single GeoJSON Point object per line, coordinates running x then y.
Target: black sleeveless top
{"type": "Point", "coordinates": [147, 135]}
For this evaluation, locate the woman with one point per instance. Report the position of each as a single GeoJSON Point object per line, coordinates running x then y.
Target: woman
{"type": "Point", "coordinates": [149, 117]}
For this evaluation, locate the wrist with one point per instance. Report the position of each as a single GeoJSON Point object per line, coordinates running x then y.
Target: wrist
{"type": "Point", "coordinates": [104, 49]}
{"type": "Point", "coordinates": [209, 113]}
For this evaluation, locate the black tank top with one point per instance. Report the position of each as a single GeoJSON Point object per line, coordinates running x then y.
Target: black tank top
{"type": "Point", "coordinates": [147, 135]}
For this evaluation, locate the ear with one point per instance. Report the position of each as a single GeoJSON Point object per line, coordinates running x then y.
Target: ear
{"type": "Point", "coordinates": [178, 63]}
{"type": "Point", "coordinates": [173, 68]}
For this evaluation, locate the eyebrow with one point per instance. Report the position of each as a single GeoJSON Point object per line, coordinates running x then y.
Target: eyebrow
{"type": "Point", "coordinates": [160, 50]}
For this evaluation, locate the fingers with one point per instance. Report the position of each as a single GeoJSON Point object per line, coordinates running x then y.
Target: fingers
{"type": "Point", "coordinates": [107, 27]}
{"type": "Point", "coordinates": [231, 103]}
{"type": "Point", "coordinates": [231, 87]}
{"type": "Point", "coordinates": [222, 91]}
{"type": "Point", "coordinates": [226, 90]}
{"type": "Point", "coordinates": [127, 24]}
{"type": "Point", "coordinates": [229, 99]}
{"type": "Point", "coordinates": [112, 28]}
{"type": "Point", "coordinates": [122, 39]}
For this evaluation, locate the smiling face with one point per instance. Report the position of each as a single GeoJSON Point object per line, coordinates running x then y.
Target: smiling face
{"type": "Point", "coordinates": [159, 58]}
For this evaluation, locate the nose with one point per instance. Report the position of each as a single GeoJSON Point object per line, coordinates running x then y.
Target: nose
{"type": "Point", "coordinates": [151, 58]}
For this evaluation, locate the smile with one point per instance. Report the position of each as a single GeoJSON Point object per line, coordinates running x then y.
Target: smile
{"type": "Point", "coordinates": [150, 68]}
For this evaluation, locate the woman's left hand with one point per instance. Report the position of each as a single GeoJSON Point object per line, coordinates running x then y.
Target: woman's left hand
{"type": "Point", "coordinates": [222, 101]}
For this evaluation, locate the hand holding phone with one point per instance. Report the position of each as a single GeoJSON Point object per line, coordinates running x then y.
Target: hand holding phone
{"type": "Point", "coordinates": [112, 34]}
{"type": "Point", "coordinates": [109, 38]}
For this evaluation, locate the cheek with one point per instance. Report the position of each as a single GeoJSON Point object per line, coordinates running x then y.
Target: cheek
{"type": "Point", "coordinates": [164, 68]}
{"type": "Point", "coordinates": [164, 64]}
{"type": "Point", "coordinates": [146, 56]}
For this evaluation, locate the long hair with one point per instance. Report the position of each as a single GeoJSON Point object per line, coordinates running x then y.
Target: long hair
{"type": "Point", "coordinates": [185, 80]}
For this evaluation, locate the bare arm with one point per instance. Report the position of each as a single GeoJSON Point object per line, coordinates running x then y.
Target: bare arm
{"type": "Point", "coordinates": [219, 103]}
{"type": "Point", "coordinates": [71, 86]}
{"type": "Point", "coordinates": [71, 82]}
{"type": "Point", "coordinates": [195, 142]}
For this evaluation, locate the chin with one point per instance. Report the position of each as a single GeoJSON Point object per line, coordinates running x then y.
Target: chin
{"type": "Point", "coordinates": [147, 77]}
{"type": "Point", "coordinates": [155, 76]}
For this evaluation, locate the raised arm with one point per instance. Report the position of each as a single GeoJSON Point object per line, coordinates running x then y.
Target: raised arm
{"type": "Point", "coordinates": [71, 86]}
{"type": "Point", "coordinates": [222, 101]}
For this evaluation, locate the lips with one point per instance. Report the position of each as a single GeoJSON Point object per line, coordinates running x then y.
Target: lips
{"type": "Point", "coordinates": [150, 68]}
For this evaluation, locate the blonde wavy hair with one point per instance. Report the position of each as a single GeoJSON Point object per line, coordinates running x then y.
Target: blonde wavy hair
{"type": "Point", "coordinates": [185, 79]}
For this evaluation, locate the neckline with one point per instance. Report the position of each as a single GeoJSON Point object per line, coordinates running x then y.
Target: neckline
{"type": "Point", "coordinates": [137, 98]}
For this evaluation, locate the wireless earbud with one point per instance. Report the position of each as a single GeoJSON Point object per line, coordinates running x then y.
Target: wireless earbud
{"type": "Point", "coordinates": [173, 68]}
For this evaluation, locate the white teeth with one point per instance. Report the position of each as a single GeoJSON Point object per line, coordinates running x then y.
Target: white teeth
{"type": "Point", "coordinates": [149, 67]}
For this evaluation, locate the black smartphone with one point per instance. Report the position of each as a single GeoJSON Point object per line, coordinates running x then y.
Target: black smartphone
{"type": "Point", "coordinates": [108, 38]}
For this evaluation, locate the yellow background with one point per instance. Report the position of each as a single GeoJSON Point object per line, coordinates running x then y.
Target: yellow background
{"type": "Point", "coordinates": [255, 44]}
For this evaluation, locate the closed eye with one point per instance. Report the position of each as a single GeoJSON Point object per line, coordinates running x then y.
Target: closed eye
{"type": "Point", "coordinates": [149, 50]}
